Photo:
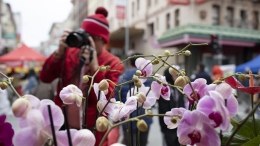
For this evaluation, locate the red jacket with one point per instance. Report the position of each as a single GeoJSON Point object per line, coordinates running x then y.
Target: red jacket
{"type": "Point", "coordinates": [52, 69]}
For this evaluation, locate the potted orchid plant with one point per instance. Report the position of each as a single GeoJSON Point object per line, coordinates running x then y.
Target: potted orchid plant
{"type": "Point", "coordinates": [209, 120]}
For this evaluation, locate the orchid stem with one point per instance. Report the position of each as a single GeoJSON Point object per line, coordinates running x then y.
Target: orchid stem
{"type": "Point", "coordinates": [85, 105]}
{"type": "Point", "coordinates": [127, 121]}
{"type": "Point", "coordinates": [241, 124]}
{"type": "Point", "coordinates": [10, 84]}
{"type": "Point", "coordinates": [94, 130]}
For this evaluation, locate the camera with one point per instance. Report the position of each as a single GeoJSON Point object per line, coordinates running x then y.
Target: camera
{"type": "Point", "coordinates": [78, 38]}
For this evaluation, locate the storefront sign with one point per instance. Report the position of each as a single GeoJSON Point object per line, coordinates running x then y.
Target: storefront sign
{"type": "Point", "coordinates": [120, 9]}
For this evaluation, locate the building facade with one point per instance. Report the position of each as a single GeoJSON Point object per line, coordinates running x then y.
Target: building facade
{"type": "Point", "coordinates": [157, 25]}
{"type": "Point", "coordinates": [8, 28]}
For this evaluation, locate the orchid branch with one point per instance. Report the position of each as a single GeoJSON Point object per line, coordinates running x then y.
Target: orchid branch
{"type": "Point", "coordinates": [9, 82]}
{"type": "Point", "coordinates": [130, 120]}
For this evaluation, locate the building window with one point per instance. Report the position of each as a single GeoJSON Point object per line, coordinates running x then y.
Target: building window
{"type": "Point", "coordinates": [151, 29]}
{"type": "Point", "coordinates": [177, 17]}
{"type": "Point", "coordinates": [133, 9]}
{"type": "Point", "coordinates": [255, 23]}
{"type": "Point", "coordinates": [168, 21]}
{"type": "Point", "coordinates": [138, 5]}
{"type": "Point", "coordinates": [243, 19]}
{"type": "Point", "coordinates": [148, 3]}
{"type": "Point", "coordinates": [230, 16]}
{"type": "Point", "coordinates": [216, 15]}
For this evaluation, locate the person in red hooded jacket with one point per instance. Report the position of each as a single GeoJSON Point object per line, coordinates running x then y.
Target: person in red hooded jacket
{"type": "Point", "coordinates": [64, 64]}
{"type": "Point", "coordinates": [216, 73]}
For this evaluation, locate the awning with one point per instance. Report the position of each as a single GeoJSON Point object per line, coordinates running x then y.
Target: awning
{"type": "Point", "coordinates": [119, 34]}
{"type": "Point", "coordinates": [201, 34]}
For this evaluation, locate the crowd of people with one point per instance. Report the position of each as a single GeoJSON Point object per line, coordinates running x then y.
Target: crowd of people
{"type": "Point", "coordinates": [68, 64]}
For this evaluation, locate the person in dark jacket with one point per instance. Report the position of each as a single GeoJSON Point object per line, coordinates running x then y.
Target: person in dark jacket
{"type": "Point", "coordinates": [127, 76]}
{"type": "Point", "coordinates": [176, 100]}
{"type": "Point", "coordinates": [202, 74]}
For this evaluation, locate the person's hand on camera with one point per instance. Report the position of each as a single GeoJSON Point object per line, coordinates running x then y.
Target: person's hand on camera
{"type": "Point", "coordinates": [62, 44]}
{"type": "Point", "coordinates": [93, 64]}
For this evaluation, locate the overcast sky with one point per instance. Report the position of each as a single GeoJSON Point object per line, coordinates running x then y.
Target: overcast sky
{"type": "Point", "coordinates": [37, 17]}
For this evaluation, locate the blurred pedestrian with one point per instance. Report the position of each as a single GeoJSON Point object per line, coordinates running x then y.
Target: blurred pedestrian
{"type": "Point", "coordinates": [201, 73]}
{"type": "Point", "coordinates": [176, 100]}
{"type": "Point", "coordinates": [216, 73]}
{"type": "Point", "coordinates": [31, 83]}
{"type": "Point", "coordinates": [71, 63]}
{"type": "Point", "coordinates": [46, 90]}
{"type": "Point", "coordinates": [127, 76]}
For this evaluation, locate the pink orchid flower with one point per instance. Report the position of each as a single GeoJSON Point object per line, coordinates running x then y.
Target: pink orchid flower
{"type": "Point", "coordinates": [145, 66]}
{"type": "Point", "coordinates": [71, 94]}
{"type": "Point", "coordinates": [199, 86]}
{"type": "Point", "coordinates": [22, 105]}
{"type": "Point", "coordinates": [159, 89]}
{"type": "Point", "coordinates": [6, 132]}
{"type": "Point", "coordinates": [36, 125]}
{"type": "Point", "coordinates": [231, 102]}
{"type": "Point", "coordinates": [82, 137]}
{"type": "Point", "coordinates": [103, 100]}
{"type": "Point", "coordinates": [150, 98]}
{"type": "Point", "coordinates": [213, 106]}
{"type": "Point", "coordinates": [194, 128]}
{"type": "Point", "coordinates": [123, 110]}
{"type": "Point", "coordinates": [177, 114]}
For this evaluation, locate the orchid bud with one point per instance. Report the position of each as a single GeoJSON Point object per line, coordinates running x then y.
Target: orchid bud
{"type": "Point", "coordinates": [241, 77]}
{"type": "Point", "coordinates": [3, 85]}
{"type": "Point", "coordinates": [247, 77]}
{"type": "Point", "coordinates": [149, 113]}
{"type": "Point", "coordinates": [173, 71]}
{"type": "Point", "coordinates": [183, 72]}
{"type": "Point", "coordinates": [20, 107]}
{"type": "Point", "coordinates": [71, 94]}
{"type": "Point", "coordinates": [142, 126]}
{"type": "Point", "coordinates": [180, 81]}
{"type": "Point", "coordinates": [108, 67]}
{"type": "Point", "coordinates": [173, 120]}
{"type": "Point", "coordinates": [135, 78]}
{"type": "Point", "coordinates": [187, 53]}
{"type": "Point", "coordinates": [160, 56]}
{"type": "Point", "coordinates": [85, 79]}
{"type": "Point", "coordinates": [103, 68]}
{"type": "Point", "coordinates": [217, 82]}
{"type": "Point", "coordinates": [103, 85]}
{"type": "Point", "coordinates": [102, 124]}
{"type": "Point", "coordinates": [105, 91]}
{"type": "Point", "coordinates": [156, 61]}
{"type": "Point", "coordinates": [167, 53]}
{"type": "Point", "coordinates": [141, 97]}
{"type": "Point", "coordinates": [138, 84]}
{"type": "Point", "coordinates": [138, 73]}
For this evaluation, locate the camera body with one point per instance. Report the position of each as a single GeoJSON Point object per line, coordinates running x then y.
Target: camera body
{"type": "Point", "coordinates": [78, 38]}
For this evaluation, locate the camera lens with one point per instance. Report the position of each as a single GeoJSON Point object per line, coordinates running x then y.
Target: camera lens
{"type": "Point", "coordinates": [74, 40]}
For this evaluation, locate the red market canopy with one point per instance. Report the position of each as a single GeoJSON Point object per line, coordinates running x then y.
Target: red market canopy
{"type": "Point", "coordinates": [22, 53]}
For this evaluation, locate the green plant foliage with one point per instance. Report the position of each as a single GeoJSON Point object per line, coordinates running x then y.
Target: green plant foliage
{"type": "Point", "coordinates": [246, 134]}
